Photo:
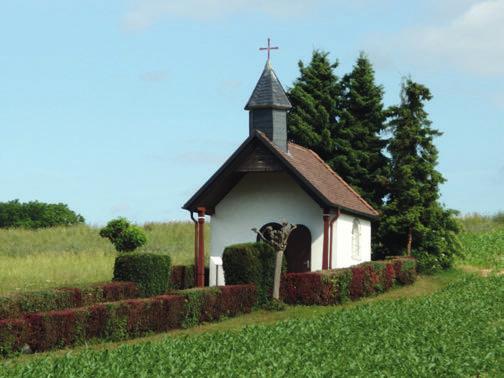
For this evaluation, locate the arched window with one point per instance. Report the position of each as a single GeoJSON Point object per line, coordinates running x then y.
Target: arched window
{"type": "Point", "coordinates": [356, 253]}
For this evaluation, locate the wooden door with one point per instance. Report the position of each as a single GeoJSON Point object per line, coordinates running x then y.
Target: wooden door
{"type": "Point", "coordinates": [298, 252]}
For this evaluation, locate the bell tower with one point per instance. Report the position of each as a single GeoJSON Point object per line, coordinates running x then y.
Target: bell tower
{"type": "Point", "coordinates": [268, 106]}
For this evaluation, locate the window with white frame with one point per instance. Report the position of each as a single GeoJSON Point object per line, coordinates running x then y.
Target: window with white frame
{"type": "Point", "coordinates": [356, 233]}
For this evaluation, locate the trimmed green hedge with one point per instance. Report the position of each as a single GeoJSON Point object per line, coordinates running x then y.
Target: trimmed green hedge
{"type": "Point", "coordinates": [151, 272]}
{"type": "Point", "coordinates": [251, 263]}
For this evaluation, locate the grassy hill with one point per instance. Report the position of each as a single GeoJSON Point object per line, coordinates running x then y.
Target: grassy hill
{"type": "Point", "coordinates": [78, 255]}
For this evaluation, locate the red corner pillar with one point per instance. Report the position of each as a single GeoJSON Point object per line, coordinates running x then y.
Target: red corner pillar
{"type": "Point", "coordinates": [201, 248]}
{"type": "Point", "coordinates": [331, 224]}
{"type": "Point", "coordinates": [325, 249]}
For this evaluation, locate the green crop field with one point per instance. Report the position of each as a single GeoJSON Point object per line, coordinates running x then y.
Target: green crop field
{"type": "Point", "coordinates": [77, 255]}
{"type": "Point", "coordinates": [483, 241]}
{"type": "Point", "coordinates": [457, 331]}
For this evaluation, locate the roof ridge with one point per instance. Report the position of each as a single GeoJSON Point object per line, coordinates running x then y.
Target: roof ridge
{"type": "Point", "coordinates": [298, 145]}
{"type": "Point", "coordinates": [347, 185]}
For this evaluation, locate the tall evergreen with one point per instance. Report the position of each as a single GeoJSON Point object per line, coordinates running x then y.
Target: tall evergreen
{"type": "Point", "coordinates": [315, 105]}
{"type": "Point", "coordinates": [414, 221]}
{"type": "Point", "coordinates": [342, 121]}
{"type": "Point", "coordinates": [359, 157]}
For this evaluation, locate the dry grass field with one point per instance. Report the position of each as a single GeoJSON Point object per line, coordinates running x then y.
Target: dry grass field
{"type": "Point", "coordinates": [77, 255]}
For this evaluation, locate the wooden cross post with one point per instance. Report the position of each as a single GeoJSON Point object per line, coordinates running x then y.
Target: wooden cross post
{"type": "Point", "coordinates": [278, 240]}
{"type": "Point", "coordinates": [269, 48]}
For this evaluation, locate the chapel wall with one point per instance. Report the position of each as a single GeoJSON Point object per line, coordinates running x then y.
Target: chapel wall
{"type": "Point", "coordinates": [261, 198]}
{"type": "Point", "coordinates": [342, 241]}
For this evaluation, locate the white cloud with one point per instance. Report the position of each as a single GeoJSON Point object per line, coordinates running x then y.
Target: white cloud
{"type": "Point", "coordinates": [154, 76]}
{"type": "Point", "coordinates": [143, 14]}
{"type": "Point", "coordinates": [472, 41]}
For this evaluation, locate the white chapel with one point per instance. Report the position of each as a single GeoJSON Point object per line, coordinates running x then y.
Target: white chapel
{"type": "Point", "coordinates": [269, 180]}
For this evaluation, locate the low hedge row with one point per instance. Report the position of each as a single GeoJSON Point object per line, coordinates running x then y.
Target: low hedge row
{"type": "Point", "coordinates": [17, 305]}
{"type": "Point", "coordinates": [123, 319]}
{"type": "Point", "coordinates": [208, 304]}
{"type": "Point", "coordinates": [182, 277]}
{"type": "Point", "coordinates": [341, 285]}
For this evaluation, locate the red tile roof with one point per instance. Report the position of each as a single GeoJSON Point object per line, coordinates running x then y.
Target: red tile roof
{"type": "Point", "coordinates": [324, 179]}
{"type": "Point", "coordinates": [316, 177]}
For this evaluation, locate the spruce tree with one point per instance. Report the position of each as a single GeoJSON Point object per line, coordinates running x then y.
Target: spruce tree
{"type": "Point", "coordinates": [359, 157]}
{"type": "Point", "coordinates": [414, 220]}
{"type": "Point", "coordinates": [342, 121]}
{"type": "Point", "coordinates": [315, 105]}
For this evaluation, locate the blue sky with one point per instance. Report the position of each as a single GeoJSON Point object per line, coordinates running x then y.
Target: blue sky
{"type": "Point", "coordinates": [127, 107]}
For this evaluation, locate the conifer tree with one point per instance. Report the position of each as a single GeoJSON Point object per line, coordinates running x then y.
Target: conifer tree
{"type": "Point", "coordinates": [315, 105]}
{"type": "Point", "coordinates": [342, 121]}
{"type": "Point", "coordinates": [359, 157]}
{"type": "Point", "coordinates": [413, 218]}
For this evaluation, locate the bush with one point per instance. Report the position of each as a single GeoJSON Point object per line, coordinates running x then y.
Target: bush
{"type": "Point", "coordinates": [212, 303]}
{"type": "Point", "coordinates": [405, 270]}
{"type": "Point", "coordinates": [149, 271]}
{"type": "Point", "coordinates": [427, 263]}
{"type": "Point", "coordinates": [182, 277]}
{"type": "Point", "coordinates": [241, 264]}
{"type": "Point", "coordinates": [251, 263]}
{"type": "Point", "coordinates": [110, 321]}
{"type": "Point", "coordinates": [17, 305]}
{"type": "Point", "coordinates": [340, 285]}
{"type": "Point", "coordinates": [237, 299]}
{"type": "Point", "coordinates": [123, 319]}
{"type": "Point", "coordinates": [201, 305]}
{"type": "Point", "coordinates": [33, 215]}
{"type": "Point", "coordinates": [13, 335]}
{"type": "Point", "coordinates": [306, 288]}
{"type": "Point", "coordinates": [124, 236]}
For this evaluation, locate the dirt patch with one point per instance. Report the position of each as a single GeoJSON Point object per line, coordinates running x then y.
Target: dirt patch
{"type": "Point", "coordinates": [487, 272]}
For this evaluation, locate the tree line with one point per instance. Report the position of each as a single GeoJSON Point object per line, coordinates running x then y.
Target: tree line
{"type": "Point", "coordinates": [387, 154]}
{"type": "Point", "coordinates": [35, 214]}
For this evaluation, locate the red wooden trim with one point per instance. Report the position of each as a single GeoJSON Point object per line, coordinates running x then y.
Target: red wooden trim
{"type": "Point", "coordinates": [331, 240]}
{"type": "Point", "coordinates": [196, 241]}
{"type": "Point", "coordinates": [201, 247]}
{"type": "Point", "coordinates": [325, 249]}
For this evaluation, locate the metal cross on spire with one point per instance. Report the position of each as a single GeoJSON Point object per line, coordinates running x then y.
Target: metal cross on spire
{"type": "Point", "coordinates": [269, 48]}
